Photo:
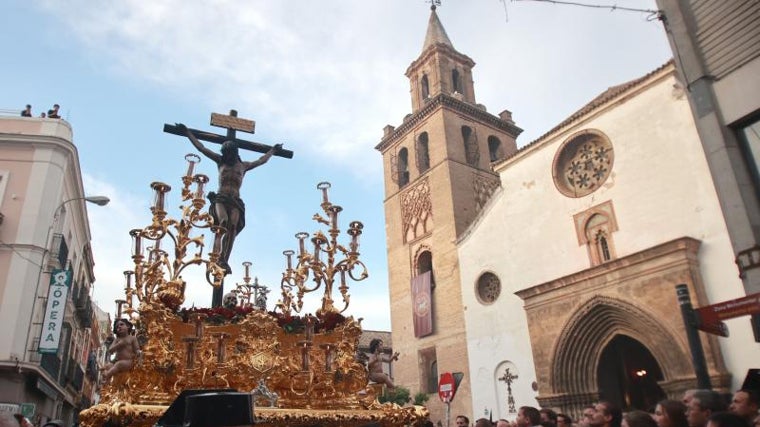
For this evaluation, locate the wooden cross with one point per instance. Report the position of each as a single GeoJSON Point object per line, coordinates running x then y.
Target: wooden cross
{"type": "Point", "coordinates": [233, 124]}
{"type": "Point", "coordinates": [509, 378]}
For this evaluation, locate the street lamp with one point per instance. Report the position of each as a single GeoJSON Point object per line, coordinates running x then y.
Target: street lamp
{"type": "Point", "coordinates": [98, 200]}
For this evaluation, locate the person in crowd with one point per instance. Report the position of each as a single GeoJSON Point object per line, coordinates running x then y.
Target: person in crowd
{"type": "Point", "coordinates": [703, 404]}
{"type": "Point", "coordinates": [548, 416]}
{"type": "Point", "coordinates": [483, 422]}
{"type": "Point", "coordinates": [462, 421]}
{"type": "Point", "coordinates": [670, 413]}
{"type": "Point", "coordinates": [606, 414]}
{"type": "Point", "coordinates": [528, 416]}
{"type": "Point", "coordinates": [27, 112]}
{"type": "Point", "coordinates": [502, 423]}
{"type": "Point", "coordinates": [22, 420]}
{"type": "Point", "coordinates": [727, 419]}
{"type": "Point", "coordinates": [745, 403]}
{"type": "Point", "coordinates": [586, 416]}
{"type": "Point", "coordinates": [53, 113]}
{"type": "Point", "coordinates": [564, 420]}
{"type": "Point", "coordinates": [638, 418]}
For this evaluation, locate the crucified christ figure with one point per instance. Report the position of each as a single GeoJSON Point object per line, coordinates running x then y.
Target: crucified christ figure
{"type": "Point", "coordinates": [227, 208]}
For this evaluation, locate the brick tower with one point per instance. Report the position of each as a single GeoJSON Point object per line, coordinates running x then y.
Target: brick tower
{"type": "Point", "coordinates": [437, 178]}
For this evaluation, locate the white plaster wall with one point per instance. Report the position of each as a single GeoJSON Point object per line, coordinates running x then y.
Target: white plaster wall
{"type": "Point", "coordinates": [661, 190]}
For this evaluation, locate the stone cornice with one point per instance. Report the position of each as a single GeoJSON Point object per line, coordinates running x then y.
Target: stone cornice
{"type": "Point", "coordinates": [688, 245]}
{"type": "Point", "coordinates": [443, 100]}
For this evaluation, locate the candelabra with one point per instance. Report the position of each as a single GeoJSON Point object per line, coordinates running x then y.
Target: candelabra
{"type": "Point", "coordinates": [156, 278]}
{"type": "Point", "coordinates": [246, 290]}
{"type": "Point", "coordinates": [322, 265]}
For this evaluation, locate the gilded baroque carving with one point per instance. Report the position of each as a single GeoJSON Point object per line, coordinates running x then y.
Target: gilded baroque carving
{"type": "Point", "coordinates": [301, 370]}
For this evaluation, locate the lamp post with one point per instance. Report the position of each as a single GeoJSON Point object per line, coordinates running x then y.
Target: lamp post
{"type": "Point", "coordinates": [98, 200]}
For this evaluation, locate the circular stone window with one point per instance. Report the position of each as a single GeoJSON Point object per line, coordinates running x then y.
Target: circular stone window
{"type": "Point", "coordinates": [489, 288]}
{"type": "Point", "coordinates": [583, 163]}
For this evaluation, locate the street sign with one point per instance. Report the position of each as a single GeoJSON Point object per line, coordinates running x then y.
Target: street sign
{"type": "Point", "coordinates": [711, 317]}
{"type": "Point", "coordinates": [446, 387]}
{"type": "Point", "coordinates": [729, 309]}
{"type": "Point", "coordinates": [27, 409]}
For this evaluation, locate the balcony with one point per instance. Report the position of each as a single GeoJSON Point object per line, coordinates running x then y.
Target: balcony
{"type": "Point", "coordinates": [83, 305]}
{"type": "Point", "coordinates": [52, 364]}
{"type": "Point", "coordinates": [60, 250]}
{"type": "Point", "coordinates": [74, 375]}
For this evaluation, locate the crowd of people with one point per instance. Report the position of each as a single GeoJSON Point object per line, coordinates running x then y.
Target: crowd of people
{"type": "Point", "coordinates": [698, 408]}
{"type": "Point", "coordinates": [51, 113]}
{"type": "Point", "coordinates": [8, 419]}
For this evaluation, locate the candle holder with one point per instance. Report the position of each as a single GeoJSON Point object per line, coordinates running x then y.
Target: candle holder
{"type": "Point", "coordinates": [328, 261]}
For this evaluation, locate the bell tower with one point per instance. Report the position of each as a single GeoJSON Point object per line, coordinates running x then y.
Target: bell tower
{"type": "Point", "coordinates": [437, 167]}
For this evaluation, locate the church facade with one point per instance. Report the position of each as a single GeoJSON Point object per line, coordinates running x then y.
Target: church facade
{"type": "Point", "coordinates": [546, 276]}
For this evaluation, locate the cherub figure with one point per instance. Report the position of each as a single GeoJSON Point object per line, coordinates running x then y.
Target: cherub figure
{"type": "Point", "coordinates": [124, 347]}
{"type": "Point", "coordinates": [375, 364]}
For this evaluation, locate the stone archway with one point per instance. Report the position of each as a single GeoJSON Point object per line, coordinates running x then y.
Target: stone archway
{"type": "Point", "coordinates": [578, 351]}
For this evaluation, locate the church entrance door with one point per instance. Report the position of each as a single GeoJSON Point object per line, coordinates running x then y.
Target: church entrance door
{"type": "Point", "coordinates": [627, 375]}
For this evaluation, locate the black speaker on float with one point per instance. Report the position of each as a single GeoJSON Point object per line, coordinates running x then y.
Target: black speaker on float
{"type": "Point", "coordinates": [175, 414]}
{"type": "Point", "coordinates": [219, 410]}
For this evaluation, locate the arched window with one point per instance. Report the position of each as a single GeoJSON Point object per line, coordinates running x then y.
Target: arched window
{"type": "Point", "coordinates": [423, 153]}
{"type": "Point", "coordinates": [495, 151]}
{"type": "Point", "coordinates": [425, 264]}
{"type": "Point", "coordinates": [425, 86]}
{"type": "Point", "coordinates": [432, 385]}
{"type": "Point", "coordinates": [403, 167]}
{"type": "Point", "coordinates": [599, 236]}
{"type": "Point", "coordinates": [470, 146]}
{"type": "Point", "coordinates": [456, 81]}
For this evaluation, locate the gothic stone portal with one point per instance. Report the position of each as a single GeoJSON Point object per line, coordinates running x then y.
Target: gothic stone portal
{"type": "Point", "coordinates": [625, 303]}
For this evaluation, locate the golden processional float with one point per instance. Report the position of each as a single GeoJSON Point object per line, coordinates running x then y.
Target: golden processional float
{"type": "Point", "coordinates": [301, 370]}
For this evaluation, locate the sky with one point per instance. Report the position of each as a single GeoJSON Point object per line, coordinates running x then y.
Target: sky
{"type": "Point", "coordinates": [321, 77]}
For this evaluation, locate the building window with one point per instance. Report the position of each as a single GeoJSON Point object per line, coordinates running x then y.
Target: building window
{"type": "Point", "coordinates": [488, 288]}
{"type": "Point", "coordinates": [598, 232]}
{"type": "Point", "coordinates": [403, 167]}
{"type": "Point", "coordinates": [470, 146]}
{"type": "Point", "coordinates": [595, 227]}
{"type": "Point", "coordinates": [428, 369]}
{"type": "Point", "coordinates": [456, 81]}
{"type": "Point", "coordinates": [425, 87]}
{"type": "Point", "coordinates": [495, 151]}
{"type": "Point", "coordinates": [423, 153]}
{"type": "Point", "coordinates": [583, 163]}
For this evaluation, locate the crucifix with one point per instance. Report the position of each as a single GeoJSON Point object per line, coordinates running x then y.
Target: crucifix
{"type": "Point", "coordinates": [509, 378]}
{"type": "Point", "coordinates": [227, 208]}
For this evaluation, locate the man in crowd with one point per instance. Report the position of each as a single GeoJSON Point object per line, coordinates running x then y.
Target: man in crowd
{"type": "Point", "coordinates": [548, 416]}
{"type": "Point", "coordinates": [564, 421]}
{"type": "Point", "coordinates": [587, 416]}
{"type": "Point", "coordinates": [702, 405]}
{"type": "Point", "coordinates": [463, 421]}
{"type": "Point", "coordinates": [745, 404]}
{"type": "Point", "coordinates": [528, 416]}
{"type": "Point", "coordinates": [606, 414]}
{"type": "Point", "coordinates": [502, 423]}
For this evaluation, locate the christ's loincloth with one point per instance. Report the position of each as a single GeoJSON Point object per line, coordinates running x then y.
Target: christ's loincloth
{"type": "Point", "coordinates": [229, 202]}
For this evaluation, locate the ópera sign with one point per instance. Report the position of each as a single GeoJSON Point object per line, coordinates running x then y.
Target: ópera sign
{"type": "Point", "coordinates": [50, 336]}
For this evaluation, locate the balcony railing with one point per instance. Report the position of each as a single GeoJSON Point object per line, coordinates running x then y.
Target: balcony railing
{"type": "Point", "coordinates": [60, 250]}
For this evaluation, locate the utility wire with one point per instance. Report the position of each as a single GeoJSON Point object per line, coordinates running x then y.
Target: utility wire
{"type": "Point", "coordinates": [653, 14]}
{"type": "Point", "coordinates": [22, 256]}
